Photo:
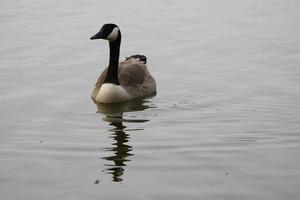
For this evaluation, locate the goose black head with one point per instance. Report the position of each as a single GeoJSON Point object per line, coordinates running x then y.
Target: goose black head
{"type": "Point", "coordinates": [108, 32]}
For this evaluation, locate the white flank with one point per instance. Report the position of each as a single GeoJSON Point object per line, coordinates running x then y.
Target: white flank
{"type": "Point", "coordinates": [113, 35]}
{"type": "Point", "coordinates": [111, 93]}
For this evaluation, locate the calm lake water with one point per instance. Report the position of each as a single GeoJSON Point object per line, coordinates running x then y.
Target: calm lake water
{"type": "Point", "coordinates": [225, 123]}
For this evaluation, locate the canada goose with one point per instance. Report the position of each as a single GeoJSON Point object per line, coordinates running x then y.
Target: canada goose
{"type": "Point", "coordinates": [123, 81]}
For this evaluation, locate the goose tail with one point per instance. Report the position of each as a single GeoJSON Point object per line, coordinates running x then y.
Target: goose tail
{"type": "Point", "coordinates": [141, 58]}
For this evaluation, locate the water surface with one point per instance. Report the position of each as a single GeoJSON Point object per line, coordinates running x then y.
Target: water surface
{"type": "Point", "coordinates": [224, 124]}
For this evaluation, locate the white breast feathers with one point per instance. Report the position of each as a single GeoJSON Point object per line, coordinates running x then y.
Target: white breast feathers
{"type": "Point", "coordinates": [111, 93]}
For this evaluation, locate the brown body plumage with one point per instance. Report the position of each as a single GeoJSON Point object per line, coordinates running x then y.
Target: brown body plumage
{"type": "Point", "coordinates": [134, 77]}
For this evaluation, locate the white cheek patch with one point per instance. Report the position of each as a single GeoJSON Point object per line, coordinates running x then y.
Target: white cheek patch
{"type": "Point", "coordinates": [113, 35]}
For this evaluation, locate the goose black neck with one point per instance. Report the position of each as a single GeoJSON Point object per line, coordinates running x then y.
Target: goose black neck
{"type": "Point", "coordinates": [114, 53]}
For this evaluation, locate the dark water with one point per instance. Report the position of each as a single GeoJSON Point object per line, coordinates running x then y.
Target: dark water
{"type": "Point", "coordinates": [224, 124]}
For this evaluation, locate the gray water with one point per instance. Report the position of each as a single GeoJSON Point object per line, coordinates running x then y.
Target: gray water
{"type": "Point", "coordinates": [224, 124]}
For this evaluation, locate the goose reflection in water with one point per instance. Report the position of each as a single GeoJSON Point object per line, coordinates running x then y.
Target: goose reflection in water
{"type": "Point", "coordinates": [121, 149]}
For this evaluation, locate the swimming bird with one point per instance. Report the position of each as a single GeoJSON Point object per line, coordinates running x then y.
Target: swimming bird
{"type": "Point", "coordinates": [123, 81]}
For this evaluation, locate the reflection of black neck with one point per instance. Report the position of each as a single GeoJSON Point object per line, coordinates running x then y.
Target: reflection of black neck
{"type": "Point", "coordinates": [121, 152]}
{"type": "Point", "coordinates": [114, 53]}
